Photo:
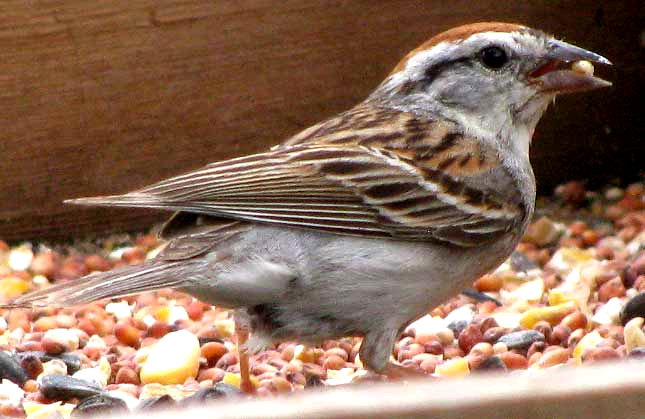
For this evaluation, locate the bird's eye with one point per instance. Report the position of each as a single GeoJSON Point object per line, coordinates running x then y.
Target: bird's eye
{"type": "Point", "coordinates": [493, 57]}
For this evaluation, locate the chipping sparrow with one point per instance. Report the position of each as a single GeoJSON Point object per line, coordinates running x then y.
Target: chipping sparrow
{"type": "Point", "coordinates": [362, 223]}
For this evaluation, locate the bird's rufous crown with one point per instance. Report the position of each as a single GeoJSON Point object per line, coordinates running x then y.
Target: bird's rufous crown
{"type": "Point", "coordinates": [458, 34]}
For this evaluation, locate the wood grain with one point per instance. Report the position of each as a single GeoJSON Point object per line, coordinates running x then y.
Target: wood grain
{"type": "Point", "coordinates": [104, 97]}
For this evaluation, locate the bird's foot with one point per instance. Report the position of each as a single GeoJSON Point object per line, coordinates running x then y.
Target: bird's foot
{"type": "Point", "coordinates": [391, 372]}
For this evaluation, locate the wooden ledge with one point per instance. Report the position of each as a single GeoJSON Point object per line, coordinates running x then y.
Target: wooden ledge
{"type": "Point", "coordinates": [612, 390]}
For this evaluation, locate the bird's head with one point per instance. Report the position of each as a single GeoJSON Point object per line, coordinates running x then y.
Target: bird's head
{"type": "Point", "coordinates": [489, 77]}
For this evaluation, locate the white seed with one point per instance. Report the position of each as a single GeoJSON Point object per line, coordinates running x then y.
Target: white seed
{"type": "Point", "coordinates": [177, 313]}
{"type": "Point", "coordinates": [20, 258]}
{"type": "Point", "coordinates": [583, 67]}
{"type": "Point", "coordinates": [120, 310]}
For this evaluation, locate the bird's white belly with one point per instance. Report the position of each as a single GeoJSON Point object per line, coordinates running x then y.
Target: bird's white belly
{"type": "Point", "coordinates": [343, 285]}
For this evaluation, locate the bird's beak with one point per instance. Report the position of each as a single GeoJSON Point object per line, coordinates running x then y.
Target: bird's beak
{"type": "Point", "coordinates": [552, 76]}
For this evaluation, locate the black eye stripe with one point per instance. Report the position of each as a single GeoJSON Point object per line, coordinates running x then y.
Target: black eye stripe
{"type": "Point", "coordinates": [432, 72]}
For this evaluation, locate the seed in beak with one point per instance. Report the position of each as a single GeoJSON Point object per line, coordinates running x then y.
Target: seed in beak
{"type": "Point", "coordinates": [582, 67]}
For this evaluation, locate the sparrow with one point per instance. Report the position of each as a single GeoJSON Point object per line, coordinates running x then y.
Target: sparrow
{"type": "Point", "coordinates": [362, 223]}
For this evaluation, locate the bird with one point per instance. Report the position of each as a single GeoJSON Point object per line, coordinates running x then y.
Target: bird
{"type": "Point", "coordinates": [362, 223]}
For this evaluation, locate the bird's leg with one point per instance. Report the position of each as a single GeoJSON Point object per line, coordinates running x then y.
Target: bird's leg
{"type": "Point", "coordinates": [375, 354]}
{"type": "Point", "coordinates": [242, 335]}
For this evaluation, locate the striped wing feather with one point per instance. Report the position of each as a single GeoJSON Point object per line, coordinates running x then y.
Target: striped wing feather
{"type": "Point", "coordinates": [367, 172]}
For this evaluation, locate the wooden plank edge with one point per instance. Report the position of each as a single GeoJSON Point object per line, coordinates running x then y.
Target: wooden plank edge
{"type": "Point", "coordinates": [615, 389]}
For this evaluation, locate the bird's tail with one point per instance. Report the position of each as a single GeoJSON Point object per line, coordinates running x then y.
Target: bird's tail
{"type": "Point", "coordinates": [149, 276]}
{"type": "Point", "coordinates": [129, 200]}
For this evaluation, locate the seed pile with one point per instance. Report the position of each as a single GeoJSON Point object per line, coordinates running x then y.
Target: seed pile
{"type": "Point", "coordinates": [572, 293]}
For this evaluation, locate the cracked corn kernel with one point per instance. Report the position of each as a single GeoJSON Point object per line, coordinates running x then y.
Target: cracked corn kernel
{"type": "Point", "coordinates": [633, 334]}
{"type": "Point", "coordinates": [551, 314]}
{"type": "Point", "coordinates": [456, 367]}
{"type": "Point", "coordinates": [235, 380]}
{"type": "Point", "coordinates": [589, 340]}
{"type": "Point", "coordinates": [583, 67]}
{"type": "Point", "coordinates": [173, 359]}
{"type": "Point", "coordinates": [12, 287]}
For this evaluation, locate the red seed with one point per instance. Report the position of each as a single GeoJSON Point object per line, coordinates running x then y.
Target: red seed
{"type": "Point", "coordinates": [612, 288]}
{"type": "Point", "coordinates": [535, 347]}
{"type": "Point", "coordinates": [148, 241]}
{"type": "Point", "coordinates": [213, 374]}
{"type": "Point", "coordinates": [29, 346]}
{"type": "Point", "coordinates": [32, 366]}
{"type": "Point", "coordinates": [133, 255]}
{"type": "Point", "coordinates": [575, 320]}
{"type": "Point", "coordinates": [572, 193]}
{"type": "Point", "coordinates": [639, 283]}
{"type": "Point", "coordinates": [33, 337]}
{"type": "Point", "coordinates": [30, 386]}
{"type": "Point", "coordinates": [599, 354]}
{"type": "Point", "coordinates": [87, 326]}
{"type": "Point", "coordinates": [469, 337]}
{"type": "Point", "coordinates": [488, 322]}
{"type": "Point", "coordinates": [97, 263]}
{"type": "Point", "coordinates": [71, 269]}
{"type": "Point", "coordinates": [12, 411]}
{"type": "Point", "coordinates": [570, 242]}
{"type": "Point", "coordinates": [434, 348]}
{"type": "Point", "coordinates": [560, 335]}
{"type": "Point", "coordinates": [195, 310]}
{"type": "Point", "coordinates": [341, 352]}
{"type": "Point", "coordinates": [514, 361]}
{"type": "Point", "coordinates": [489, 283]}
{"type": "Point", "coordinates": [45, 264]}
{"type": "Point", "coordinates": [101, 323]}
{"type": "Point", "coordinates": [44, 324]}
{"type": "Point", "coordinates": [486, 307]}
{"type": "Point", "coordinates": [314, 370]}
{"type": "Point", "coordinates": [213, 351]}
{"type": "Point", "coordinates": [429, 365]}
{"type": "Point", "coordinates": [280, 385]}
{"type": "Point", "coordinates": [578, 227]}
{"type": "Point", "coordinates": [159, 329]}
{"type": "Point", "coordinates": [590, 237]}
{"type": "Point", "coordinates": [333, 362]}
{"type": "Point", "coordinates": [127, 376]}
{"type": "Point", "coordinates": [545, 328]}
{"type": "Point", "coordinates": [226, 360]}
{"type": "Point", "coordinates": [552, 357]}
{"type": "Point", "coordinates": [452, 352]}
{"type": "Point", "coordinates": [628, 233]}
{"type": "Point", "coordinates": [127, 334]}
{"type": "Point", "coordinates": [493, 334]}
{"type": "Point", "coordinates": [66, 321]}
{"type": "Point", "coordinates": [288, 352]}
{"type": "Point", "coordinates": [608, 343]}
{"type": "Point", "coordinates": [575, 337]}
{"type": "Point", "coordinates": [53, 347]}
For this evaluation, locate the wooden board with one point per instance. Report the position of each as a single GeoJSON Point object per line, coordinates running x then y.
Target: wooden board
{"type": "Point", "coordinates": [615, 390]}
{"type": "Point", "coordinates": [104, 97]}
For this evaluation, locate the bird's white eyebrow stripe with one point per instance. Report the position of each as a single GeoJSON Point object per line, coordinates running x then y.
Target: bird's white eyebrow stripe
{"type": "Point", "coordinates": [423, 59]}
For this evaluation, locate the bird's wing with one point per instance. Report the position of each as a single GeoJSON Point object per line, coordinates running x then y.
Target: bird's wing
{"type": "Point", "coordinates": [189, 235]}
{"type": "Point", "coordinates": [400, 178]}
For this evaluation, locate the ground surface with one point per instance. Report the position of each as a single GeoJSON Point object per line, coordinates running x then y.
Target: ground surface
{"type": "Point", "coordinates": [569, 295]}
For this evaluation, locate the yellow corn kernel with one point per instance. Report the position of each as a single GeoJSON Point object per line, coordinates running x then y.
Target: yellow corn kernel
{"type": "Point", "coordinates": [457, 367]}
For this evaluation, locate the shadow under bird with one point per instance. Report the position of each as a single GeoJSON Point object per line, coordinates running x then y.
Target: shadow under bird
{"type": "Point", "coordinates": [362, 223]}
